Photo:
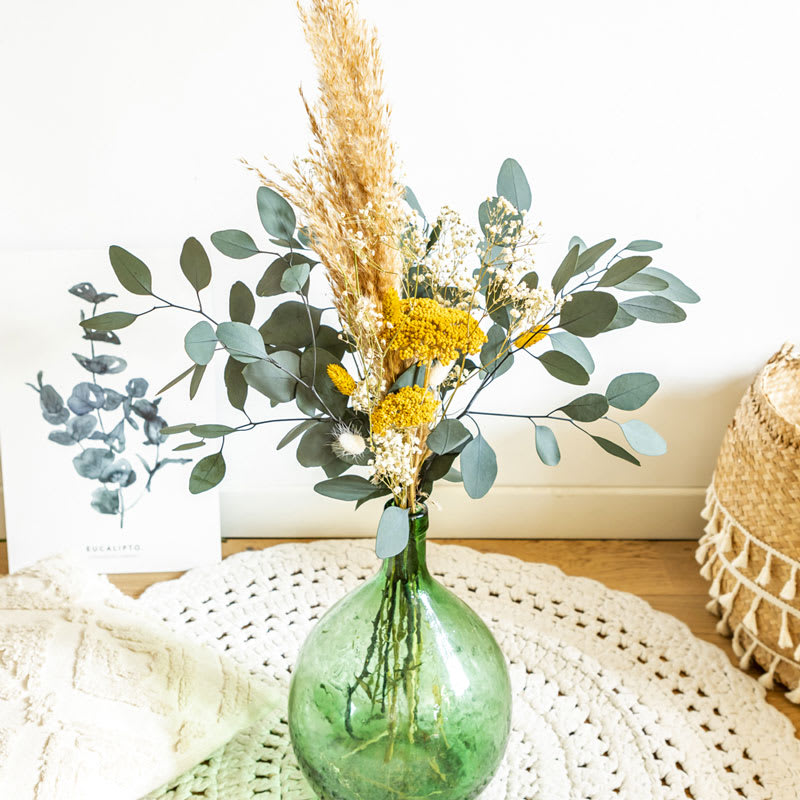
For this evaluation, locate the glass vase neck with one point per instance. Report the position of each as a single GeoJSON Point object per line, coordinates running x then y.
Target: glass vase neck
{"type": "Point", "coordinates": [412, 560]}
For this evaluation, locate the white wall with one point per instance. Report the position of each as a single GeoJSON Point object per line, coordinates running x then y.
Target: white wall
{"type": "Point", "coordinates": [675, 121]}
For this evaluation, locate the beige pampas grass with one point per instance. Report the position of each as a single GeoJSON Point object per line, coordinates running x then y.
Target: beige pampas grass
{"type": "Point", "coordinates": [347, 187]}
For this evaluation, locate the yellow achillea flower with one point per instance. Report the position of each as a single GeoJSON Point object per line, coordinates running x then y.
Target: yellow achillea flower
{"type": "Point", "coordinates": [531, 337]}
{"type": "Point", "coordinates": [405, 408]}
{"type": "Point", "coordinates": [423, 329]}
{"type": "Point", "coordinates": [341, 379]}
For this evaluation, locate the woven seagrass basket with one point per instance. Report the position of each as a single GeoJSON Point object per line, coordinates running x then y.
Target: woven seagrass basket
{"type": "Point", "coordinates": [750, 551]}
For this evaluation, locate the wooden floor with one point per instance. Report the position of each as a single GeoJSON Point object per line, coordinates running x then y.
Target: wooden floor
{"type": "Point", "coordinates": [663, 573]}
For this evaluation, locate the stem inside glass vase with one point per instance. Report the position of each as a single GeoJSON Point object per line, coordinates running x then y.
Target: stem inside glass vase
{"type": "Point", "coordinates": [391, 666]}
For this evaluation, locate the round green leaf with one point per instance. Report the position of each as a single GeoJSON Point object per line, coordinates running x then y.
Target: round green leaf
{"type": "Point", "coordinates": [294, 278]}
{"type": "Point", "coordinates": [241, 303]}
{"type": "Point", "coordinates": [547, 446]}
{"type": "Point", "coordinates": [653, 309]}
{"type": "Point", "coordinates": [643, 439]}
{"type": "Point", "coordinates": [576, 240]}
{"type": "Point", "coordinates": [491, 358]}
{"type": "Point", "coordinates": [513, 185]}
{"type": "Point", "coordinates": [478, 467]}
{"type": "Point", "coordinates": [622, 319]}
{"type": "Point", "coordinates": [234, 244]}
{"type": "Point", "coordinates": [200, 343]}
{"type": "Point", "coordinates": [448, 436]}
{"type": "Point", "coordinates": [347, 487]}
{"type": "Point", "coordinates": [393, 529]}
{"type": "Point", "coordinates": [243, 342]}
{"type": "Point", "coordinates": [275, 377]}
{"type": "Point", "coordinates": [570, 344]}
{"type": "Point", "coordinates": [276, 214]}
{"type": "Point", "coordinates": [623, 269]}
{"type": "Point", "coordinates": [588, 313]}
{"type": "Point", "coordinates": [314, 449]}
{"type": "Point", "coordinates": [110, 321]}
{"type": "Point", "coordinates": [207, 473]}
{"type": "Point", "coordinates": [643, 245]}
{"type": "Point", "coordinates": [586, 408]}
{"type": "Point", "coordinates": [195, 264]}
{"type": "Point", "coordinates": [631, 390]}
{"type": "Point", "coordinates": [212, 431]}
{"type": "Point", "coordinates": [564, 367]}
{"type": "Point", "coordinates": [288, 326]}
{"type": "Point", "coordinates": [131, 272]}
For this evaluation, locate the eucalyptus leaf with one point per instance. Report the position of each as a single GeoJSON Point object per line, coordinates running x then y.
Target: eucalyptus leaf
{"type": "Point", "coordinates": [643, 439]}
{"type": "Point", "coordinates": [588, 313]}
{"type": "Point", "coordinates": [87, 292]}
{"type": "Point", "coordinates": [346, 487]}
{"type": "Point", "coordinates": [276, 214]}
{"type": "Point", "coordinates": [335, 468]}
{"type": "Point", "coordinates": [105, 501]}
{"type": "Point", "coordinates": [412, 376]}
{"type": "Point", "coordinates": [586, 408]}
{"type": "Point", "coordinates": [513, 185]}
{"type": "Point", "coordinates": [564, 367]}
{"type": "Point", "coordinates": [566, 269]}
{"type": "Point", "coordinates": [440, 465]}
{"type": "Point", "coordinates": [314, 449]}
{"type": "Point", "coordinates": [182, 428]}
{"type": "Point", "coordinates": [207, 473]}
{"type": "Point", "coordinates": [589, 257]}
{"type": "Point", "coordinates": [243, 342]}
{"type": "Point", "coordinates": [241, 303]}
{"type": "Point", "coordinates": [85, 398]}
{"type": "Point", "coordinates": [101, 365]}
{"type": "Point", "coordinates": [295, 278]}
{"type": "Point", "coordinates": [547, 446]}
{"type": "Point", "coordinates": [623, 269]}
{"type": "Point", "coordinates": [197, 376]}
{"type": "Point", "coordinates": [136, 387]}
{"type": "Point", "coordinates": [478, 467]}
{"type": "Point", "coordinates": [491, 359]}
{"type": "Point", "coordinates": [325, 396]}
{"type": "Point", "coordinates": [79, 428]}
{"type": "Point", "coordinates": [188, 446]}
{"type": "Point", "coordinates": [651, 308]}
{"type": "Point", "coordinates": [328, 338]}
{"type": "Point", "coordinates": [622, 319]}
{"type": "Point", "coordinates": [270, 283]}
{"type": "Point", "coordinates": [110, 321]}
{"type": "Point", "coordinates": [615, 450]}
{"type": "Point", "coordinates": [412, 201]}
{"type": "Point", "coordinates": [447, 436]}
{"type": "Point", "coordinates": [131, 271]}
{"type": "Point", "coordinates": [200, 342]}
{"type": "Point", "coordinates": [195, 264]}
{"type": "Point", "coordinates": [676, 290]}
{"type": "Point", "coordinates": [176, 380]}
{"type": "Point", "coordinates": [631, 390]}
{"type": "Point", "coordinates": [296, 431]}
{"type": "Point", "coordinates": [393, 530]}
{"type": "Point", "coordinates": [61, 437]}
{"type": "Point", "coordinates": [234, 244]}
{"type": "Point", "coordinates": [91, 462]}
{"type": "Point", "coordinates": [642, 282]}
{"type": "Point", "coordinates": [235, 384]}
{"type": "Point", "coordinates": [106, 337]}
{"type": "Point", "coordinates": [643, 245]}
{"type": "Point", "coordinates": [288, 326]}
{"type": "Point", "coordinates": [568, 343]}
{"type": "Point", "coordinates": [276, 377]}
{"type": "Point", "coordinates": [210, 431]}
{"type": "Point", "coordinates": [576, 240]}
{"type": "Point", "coordinates": [380, 491]}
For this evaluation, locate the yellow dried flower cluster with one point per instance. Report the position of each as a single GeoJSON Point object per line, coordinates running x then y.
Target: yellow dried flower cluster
{"type": "Point", "coordinates": [341, 379]}
{"type": "Point", "coordinates": [422, 329]}
{"type": "Point", "coordinates": [406, 408]}
{"type": "Point", "coordinates": [532, 336]}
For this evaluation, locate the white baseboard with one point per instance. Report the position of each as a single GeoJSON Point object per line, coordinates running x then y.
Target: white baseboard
{"type": "Point", "coordinates": [508, 512]}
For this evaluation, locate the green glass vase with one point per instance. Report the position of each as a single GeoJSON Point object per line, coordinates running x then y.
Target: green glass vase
{"type": "Point", "coordinates": [400, 691]}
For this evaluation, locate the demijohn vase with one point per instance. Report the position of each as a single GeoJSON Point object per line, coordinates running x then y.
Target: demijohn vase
{"type": "Point", "coordinates": [400, 691]}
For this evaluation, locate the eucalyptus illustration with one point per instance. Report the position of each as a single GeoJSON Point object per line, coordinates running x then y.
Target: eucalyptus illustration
{"type": "Point", "coordinates": [95, 418]}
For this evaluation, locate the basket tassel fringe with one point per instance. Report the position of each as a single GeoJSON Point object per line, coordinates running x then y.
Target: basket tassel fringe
{"type": "Point", "coordinates": [722, 564]}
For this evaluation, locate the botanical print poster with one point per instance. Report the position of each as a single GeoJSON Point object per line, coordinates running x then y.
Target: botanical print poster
{"type": "Point", "coordinates": [85, 466]}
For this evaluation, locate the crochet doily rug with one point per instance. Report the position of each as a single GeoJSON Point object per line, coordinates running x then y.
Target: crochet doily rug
{"type": "Point", "coordinates": [612, 700]}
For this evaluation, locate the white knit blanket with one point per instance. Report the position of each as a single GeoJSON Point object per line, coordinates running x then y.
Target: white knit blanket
{"type": "Point", "coordinates": [612, 700]}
